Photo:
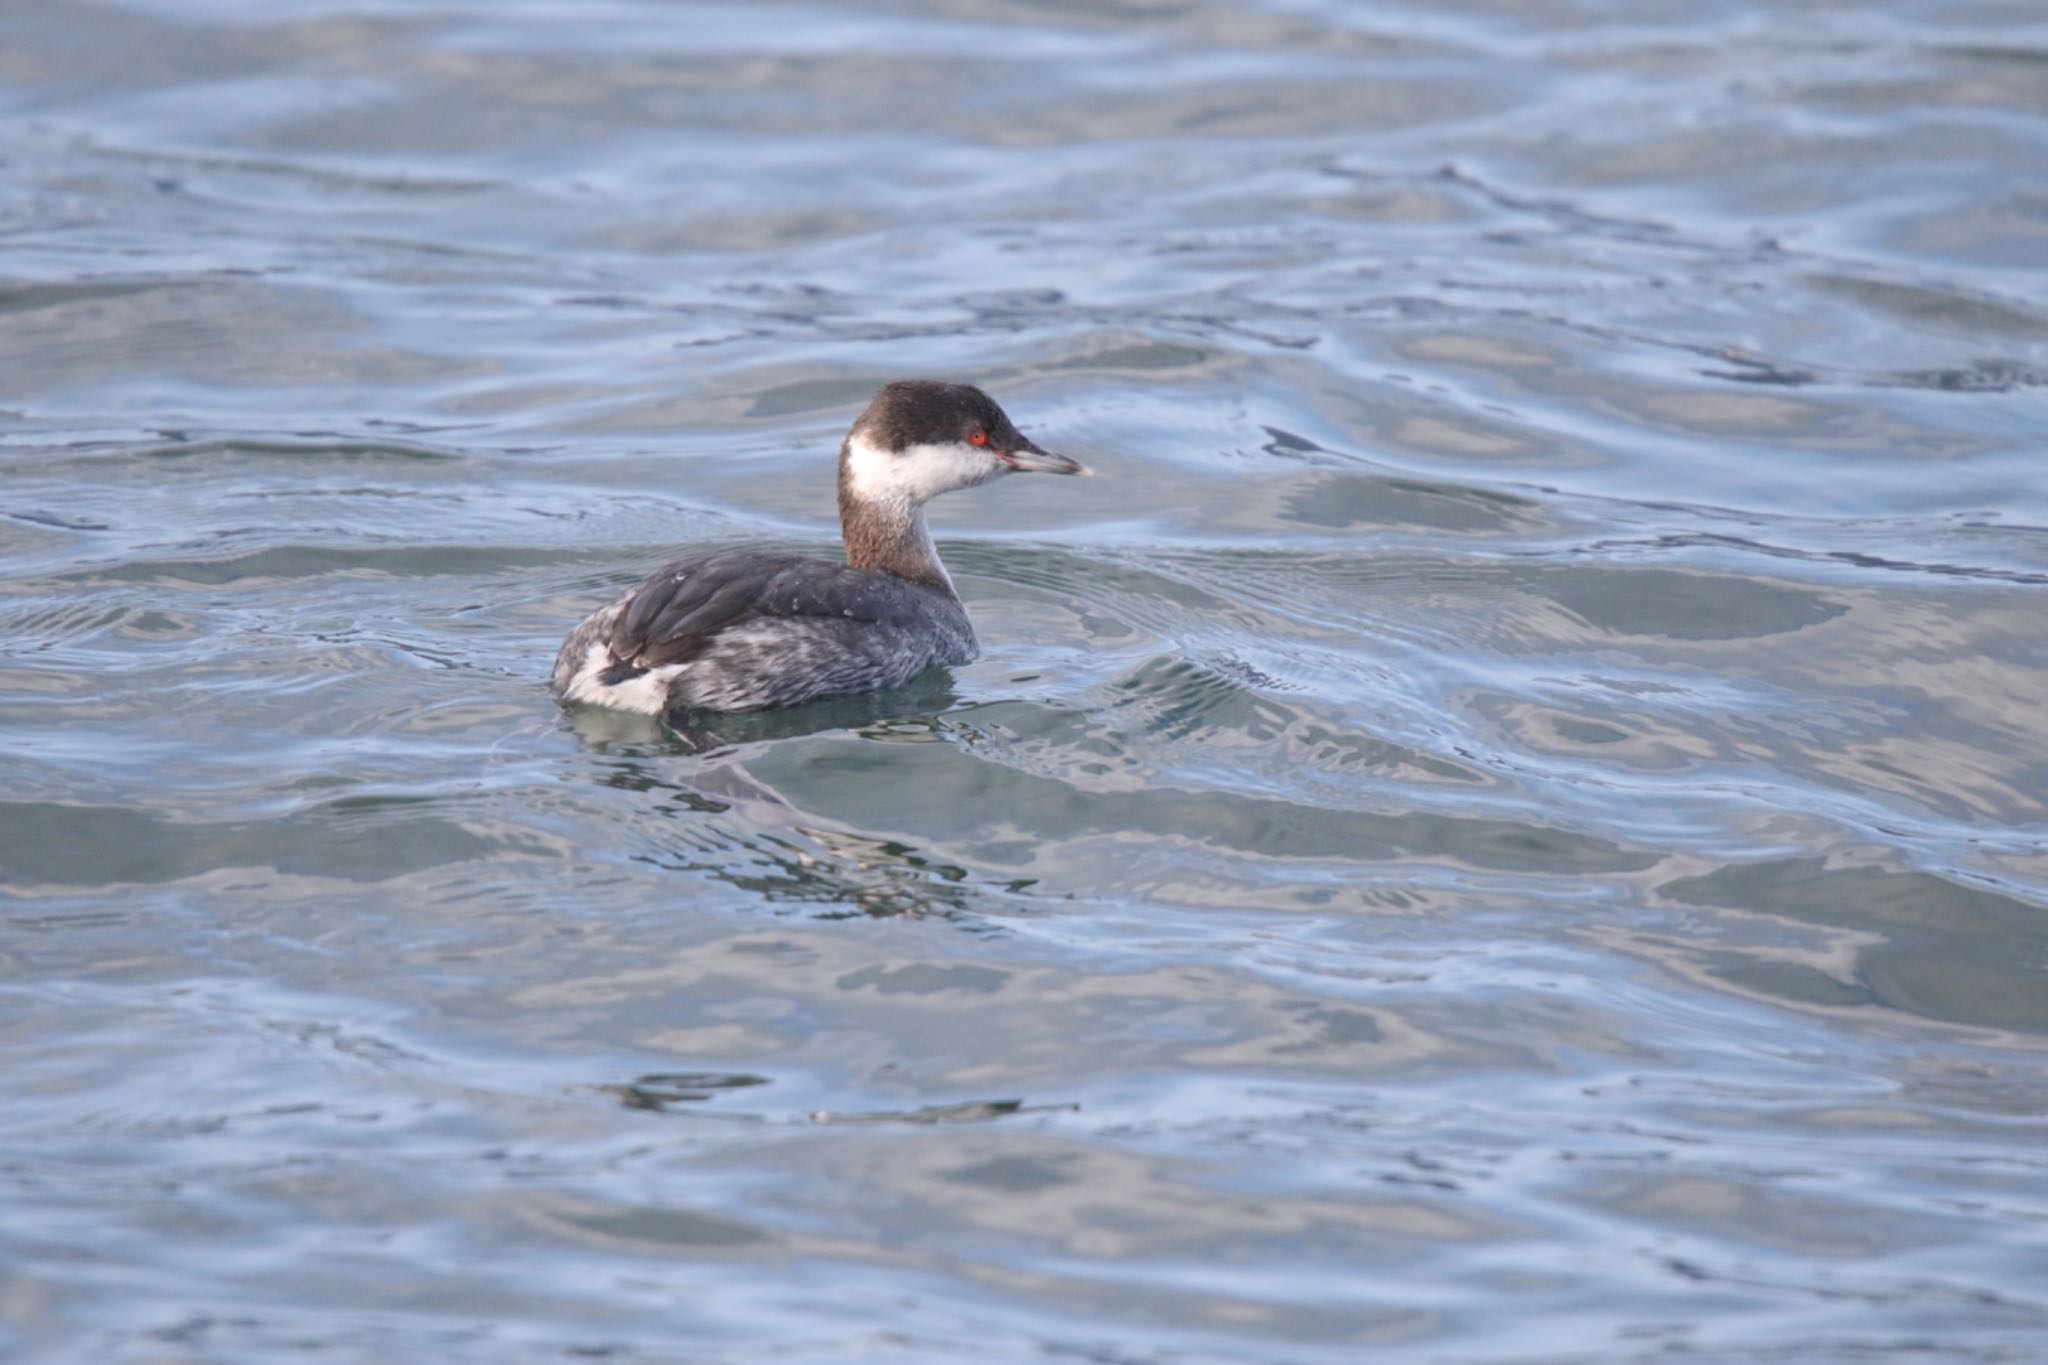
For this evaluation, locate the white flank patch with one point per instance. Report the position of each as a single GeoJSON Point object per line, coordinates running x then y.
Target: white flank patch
{"type": "Point", "coordinates": [916, 473]}
{"type": "Point", "coordinates": [646, 694]}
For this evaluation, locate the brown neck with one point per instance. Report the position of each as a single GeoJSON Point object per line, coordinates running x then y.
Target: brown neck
{"type": "Point", "coordinates": [891, 537]}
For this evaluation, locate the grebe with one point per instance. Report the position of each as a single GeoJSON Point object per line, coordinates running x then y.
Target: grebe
{"type": "Point", "coordinates": [746, 630]}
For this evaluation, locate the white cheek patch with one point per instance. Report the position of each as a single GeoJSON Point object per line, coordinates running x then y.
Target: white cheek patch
{"type": "Point", "coordinates": [916, 473]}
{"type": "Point", "coordinates": [646, 694]}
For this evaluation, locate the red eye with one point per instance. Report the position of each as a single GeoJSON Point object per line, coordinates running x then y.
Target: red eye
{"type": "Point", "coordinates": [979, 438]}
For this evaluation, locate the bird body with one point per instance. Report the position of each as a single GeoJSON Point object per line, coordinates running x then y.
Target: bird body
{"type": "Point", "coordinates": [750, 630]}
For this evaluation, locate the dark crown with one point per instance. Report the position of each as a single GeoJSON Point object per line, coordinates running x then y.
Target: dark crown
{"type": "Point", "coordinates": [912, 412]}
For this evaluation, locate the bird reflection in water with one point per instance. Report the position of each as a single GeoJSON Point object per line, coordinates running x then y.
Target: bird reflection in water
{"type": "Point", "coordinates": [748, 836]}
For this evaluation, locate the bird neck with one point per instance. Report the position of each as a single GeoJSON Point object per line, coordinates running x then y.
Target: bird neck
{"type": "Point", "coordinates": [890, 535]}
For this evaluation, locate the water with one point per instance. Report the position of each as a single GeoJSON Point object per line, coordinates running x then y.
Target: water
{"type": "Point", "coordinates": [1508, 825]}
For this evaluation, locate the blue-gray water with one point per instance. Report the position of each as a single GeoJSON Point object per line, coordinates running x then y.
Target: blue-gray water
{"type": "Point", "coordinates": [1511, 824]}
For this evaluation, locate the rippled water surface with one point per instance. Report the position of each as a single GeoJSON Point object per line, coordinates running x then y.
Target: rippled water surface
{"type": "Point", "coordinates": [1510, 824]}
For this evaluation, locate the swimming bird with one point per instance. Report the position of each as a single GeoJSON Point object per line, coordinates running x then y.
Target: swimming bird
{"type": "Point", "coordinates": [746, 630]}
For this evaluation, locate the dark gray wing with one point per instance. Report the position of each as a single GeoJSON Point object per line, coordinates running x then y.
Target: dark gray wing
{"type": "Point", "coordinates": [683, 606]}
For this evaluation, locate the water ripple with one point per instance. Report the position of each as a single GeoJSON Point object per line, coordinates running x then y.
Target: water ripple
{"type": "Point", "coordinates": [1534, 737]}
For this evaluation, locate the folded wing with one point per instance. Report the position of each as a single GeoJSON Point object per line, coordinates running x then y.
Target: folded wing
{"type": "Point", "coordinates": [684, 606]}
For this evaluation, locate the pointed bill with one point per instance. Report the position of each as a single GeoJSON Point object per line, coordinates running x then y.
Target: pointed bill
{"type": "Point", "coordinates": [1030, 459]}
